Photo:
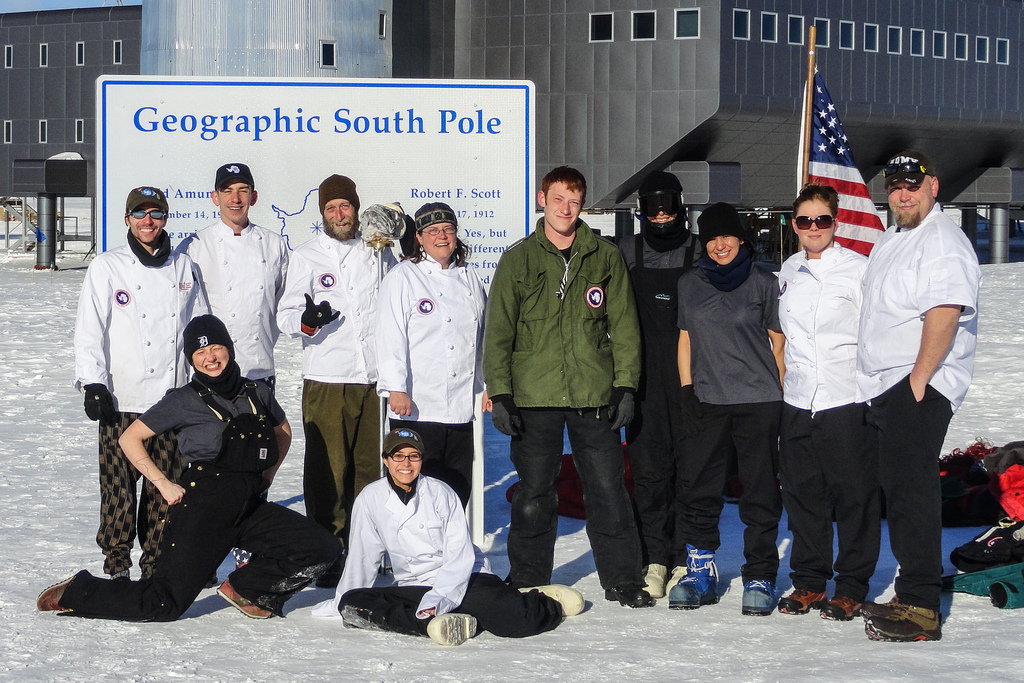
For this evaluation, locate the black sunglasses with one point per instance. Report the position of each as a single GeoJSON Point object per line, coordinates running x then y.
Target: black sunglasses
{"type": "Point", "coordinates": [893, 169]}
{"type": "Point", "coordinates": [805, 222]}
{"type": "Point", "coordinates": [155, 214]}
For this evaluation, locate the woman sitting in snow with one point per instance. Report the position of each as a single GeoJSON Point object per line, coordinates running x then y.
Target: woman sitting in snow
{"type": "Point", "coordinates": [445, 586]}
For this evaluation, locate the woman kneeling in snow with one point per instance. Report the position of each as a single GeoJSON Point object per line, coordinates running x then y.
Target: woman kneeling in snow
{"type": "Point", "coordinates": [445, 587]}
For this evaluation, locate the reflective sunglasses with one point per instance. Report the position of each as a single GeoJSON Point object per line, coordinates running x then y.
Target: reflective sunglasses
{"type": "Point", "coordinates": [805, 222]}
{"type": "Point", "coordinates": [435, 231]}
{"type": "Point", "coordinates": [398, 457]}
{"type": "Point", "coordinates": [155, 214]}
{"type": "Point", "coordinates": [893, 169]}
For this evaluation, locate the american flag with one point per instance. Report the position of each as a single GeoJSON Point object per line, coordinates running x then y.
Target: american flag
{"type": "Point", "coordinates": [831, 163]}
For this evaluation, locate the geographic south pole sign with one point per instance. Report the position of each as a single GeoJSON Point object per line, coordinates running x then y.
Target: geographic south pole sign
{"type": "Point", "coordinates": [466, 143]}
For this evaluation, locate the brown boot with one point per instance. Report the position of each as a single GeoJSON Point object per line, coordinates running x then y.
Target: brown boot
{"type": "Point", "coordinates": [247, 608]}
{"type": "Point", "coordinates": [879, 609]}
{"type": "Point", "coordinates": [802, 601]}
{"type": "Point", "coordinates": [907, 623]}
{"type": "Point", "coordinates": [841, 608]}
{"type": "Point", "coordinates": [49, 599]}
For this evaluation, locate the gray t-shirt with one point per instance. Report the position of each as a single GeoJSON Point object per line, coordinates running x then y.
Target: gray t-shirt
{"type": "Point", "coordinates": [197, 428]}
{"type": "Point", "coordinates": [731, 357]}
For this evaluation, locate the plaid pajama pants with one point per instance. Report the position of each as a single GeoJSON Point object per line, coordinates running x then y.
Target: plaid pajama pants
{"type": "Point", "coordinates": [121, 510]}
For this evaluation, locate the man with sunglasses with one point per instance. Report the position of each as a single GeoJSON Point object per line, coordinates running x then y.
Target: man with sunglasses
{"type": "Point", "coordinates": [915, 361]}
{"type": "Point", "coordinates": [656, 258]}
{"type": "Point", "coordinates": [135, 303]}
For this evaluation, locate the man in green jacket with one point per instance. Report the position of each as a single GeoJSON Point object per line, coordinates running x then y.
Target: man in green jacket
{"type": "Point", "coordinates": [562, 351]}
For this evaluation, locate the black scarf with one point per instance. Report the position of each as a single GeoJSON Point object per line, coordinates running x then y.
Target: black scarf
{"type": "Point", "coordinates": [157, 258]}
{"type": "Point", "coordinates": [730, 276]}
{"type": "Point", "coordinates": [403, 495]}
{"type": "Point", "coordinates": [664, 237]}
{"type": "Point", "coordinates": [228, 384]}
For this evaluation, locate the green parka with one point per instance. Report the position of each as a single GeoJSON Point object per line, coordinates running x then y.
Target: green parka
{"type": "Point", "coordinates": [561, 335]}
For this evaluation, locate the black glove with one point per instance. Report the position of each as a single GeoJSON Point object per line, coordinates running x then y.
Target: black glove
{"type": "Point", "coordinates": [317, 315]}
{"type": "Point", "coordinates": [620, 408]}
{"type": "Point", "coordinates": [505, 415]}
{"type": "Point", "coordinates": [692, 413]}
{"type": "Point", "coordinates": [99, 404]}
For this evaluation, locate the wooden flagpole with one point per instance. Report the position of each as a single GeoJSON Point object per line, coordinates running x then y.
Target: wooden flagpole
{"type": "Point", "coordinates": [805, 143]}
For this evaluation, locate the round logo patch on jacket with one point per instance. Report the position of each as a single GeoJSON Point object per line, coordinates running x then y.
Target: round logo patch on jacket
{"type": "Point", "coordinates": [122, 298]}
{"type": "Point", "coordinates": [425, 306]}
{"type": "Point", "coordinates": [327, 281]}
{"type": "Point", "coordinates": [595, 296]}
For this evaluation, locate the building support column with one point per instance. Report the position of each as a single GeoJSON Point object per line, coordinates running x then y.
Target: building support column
{"type": "Point", "coordinates": [46, 233]}
{"type": "Point", "coordinates": [999, 243]}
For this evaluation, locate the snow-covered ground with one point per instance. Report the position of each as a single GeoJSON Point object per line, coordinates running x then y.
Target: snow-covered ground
{"type": "Point", "coordinates": [49, 514]}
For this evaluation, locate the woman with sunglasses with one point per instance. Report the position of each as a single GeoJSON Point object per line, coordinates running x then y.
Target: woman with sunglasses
{"type": "Point", "coordinates": [444, 587]}
{"type": "Point", "coordinates": [730, 367]}
{"type": "Point", "coordinates": [429, 331]}
{"type": "Point", "coordinates": [827, 460]}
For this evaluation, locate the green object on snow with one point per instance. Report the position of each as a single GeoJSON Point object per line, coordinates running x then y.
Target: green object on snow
{"type": "Point", "coordinates": [1004, 585]}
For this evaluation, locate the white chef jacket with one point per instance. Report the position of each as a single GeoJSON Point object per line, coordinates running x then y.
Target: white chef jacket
{"type": "Point", "coordinates": [429, 336]}
{"type": "Point", "coordinates": [129, 325]}
{"type": "Point", "coordinates": [243, 279]}
{"type": "Point", "coordinates": [345, 275]}
{"type": "Point", "coordinates": [910, 272]}
{"type": "Point", "coordinates": [427, 540]}
{"type": "Point", "coordinates": [820, 313]}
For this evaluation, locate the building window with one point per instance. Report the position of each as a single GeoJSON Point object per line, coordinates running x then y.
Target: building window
{"type": "Point", "coordinates": [327, 54]}
{"type": "Point", "coordinates": [1002, 51]}
{"type": "Point", "coordinates": [44, 54]}
{"type": "Point", "coordinates": [917, 42]}
{"type": "Point", "coordinates": [960, 47]}
{"type": "Point", "coordinates": [846, 35]}
{"type": "Point", "coordinates": [42, 130]}
{"type": "Point", "coordinates": [79, 54]}
{"type": "Point", "coordinates": [981, 49]}
{"type": "Point", "coordinates": [741, 24]}
{"type": "Point", "coordinates": [643, 25]}
{"type": "Point", "coordinates": [822, 38]}
{"type": "Point", "coordinates": [79, 130]}
{"type": "Point", "coordinates": [382, 24]}
{"type": "Point", "coordinates": [894, 44]}
{"type": "Point", "coordinates": [117, 52]}
{"type": "Point", "coordinates": [688, 23]}
{"type": "Point", "coordinates": [8, 132]}
{"type": "Point", "coordinates": [769, 27]}
{"type": "Point", "coordinates": [8, 56]}
{"type": "Point", "coordinates": [600, 28]}
{"type": "Point", "coordinates": [870, 37]}
{"type": "Point", "coordinates": [939, 44]}
{"type": "Point", "coordinates": [796, 30]}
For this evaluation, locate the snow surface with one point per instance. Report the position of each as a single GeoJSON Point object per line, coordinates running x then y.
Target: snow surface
{"type": "Point", "coordinates": [49, 500]}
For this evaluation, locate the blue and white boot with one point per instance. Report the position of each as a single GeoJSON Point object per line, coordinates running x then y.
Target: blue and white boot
{"type": "Point", "coordinates": [700, 585]}
{"type": "Point", "coordinates": [759, 597]}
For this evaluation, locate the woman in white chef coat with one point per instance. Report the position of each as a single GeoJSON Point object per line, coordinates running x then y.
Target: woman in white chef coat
{"type": "Point", "coordinates": [429, 332]}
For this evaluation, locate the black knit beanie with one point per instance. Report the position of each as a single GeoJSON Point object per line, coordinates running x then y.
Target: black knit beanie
{"type": "Point", "coordinates": [203, 331]}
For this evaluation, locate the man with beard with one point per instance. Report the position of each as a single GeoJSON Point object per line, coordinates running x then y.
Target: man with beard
{"type": "Point", "coordinates": [662, 252]}
{"type": "Point", "coordinates": [915, 360]}
{"type": "Point", "coordinates": [135, 302]}
{"type": "Point", "coordinates": [330, 302]}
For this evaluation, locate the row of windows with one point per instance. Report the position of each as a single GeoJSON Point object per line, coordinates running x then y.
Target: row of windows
{"type": "Point", "coordinates": [602, 25]}
{"type": "Point", "coordinates": [871, 35]}
{"type": "Point", "coordinates": [43, 131]}
{"type": "Point", "coordinates": [44, 54]}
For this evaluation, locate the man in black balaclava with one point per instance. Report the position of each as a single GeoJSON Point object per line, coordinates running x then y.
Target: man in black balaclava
{"type": "Point", "coordinates": [656, 258]}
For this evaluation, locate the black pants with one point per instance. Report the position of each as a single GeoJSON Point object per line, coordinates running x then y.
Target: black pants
{"type": "Point", "coordinates": [829, 465]}
{"type": "Point", "coordinates": [498, 608]}
{"type": "Point", "coordinates": [655, 449]}
{"type": "Point", "coordinates": [220, 510]}
{"type": "Point", "coordinates": [597, 453]}
{"type": "Point", "coordinates": [753, 430]}
{"type": "Point", "coordinates": [448, 453]}
{"type": "Point", "coordinates": [910, 436]}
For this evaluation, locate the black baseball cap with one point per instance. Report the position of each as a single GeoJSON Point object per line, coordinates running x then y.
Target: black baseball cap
{"type": "Point", "coordinates": [909, 167]}
{"type": "Point", "coordinates": [399, 438]}
{"type": "Point", "coordinates": [230, 173]}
